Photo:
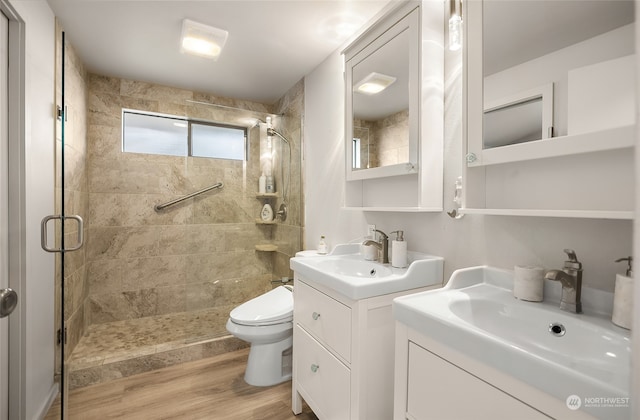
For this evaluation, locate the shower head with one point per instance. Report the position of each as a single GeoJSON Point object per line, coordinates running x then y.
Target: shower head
{"type": "Point", "coordinates": [272, 132]}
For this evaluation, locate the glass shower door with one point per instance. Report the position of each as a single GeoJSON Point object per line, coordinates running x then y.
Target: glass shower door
{"type": "Point", "coordinates": [63, 232]}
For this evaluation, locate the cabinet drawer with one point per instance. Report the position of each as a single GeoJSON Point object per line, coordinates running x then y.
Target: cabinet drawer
{"type": "Point", "coordinates": [325, 318]}
{"type": "Point", "coordinates": [321, 378]}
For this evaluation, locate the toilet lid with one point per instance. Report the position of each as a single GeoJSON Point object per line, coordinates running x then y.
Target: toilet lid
{"type": "Point", "coordinates": [273, 307]}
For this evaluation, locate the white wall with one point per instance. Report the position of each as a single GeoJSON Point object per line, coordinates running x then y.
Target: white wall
{"type": "Point", "coordinates": [473, 240]}
{"type": "Point", "coordinates": [324, 158]}
{"type": "Point", "coordinates": [37, 298]}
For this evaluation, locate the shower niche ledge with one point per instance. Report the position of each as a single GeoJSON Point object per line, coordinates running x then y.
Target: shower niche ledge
{"type": "Point", "coordinates": [265, 222]}
{"type": "Point", "coordinates": [266, 247]}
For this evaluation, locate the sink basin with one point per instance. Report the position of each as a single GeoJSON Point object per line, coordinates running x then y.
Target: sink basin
{"type": "Point", "coordinates": [558, 352]}
{"type": "Point", "coordinates": [354, 268]}
{"type": "Point", "coordinates": [346, 271]}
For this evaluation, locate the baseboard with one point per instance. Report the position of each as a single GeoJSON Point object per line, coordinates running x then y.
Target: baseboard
{"type": "Point", "coordinates": [44, 409]}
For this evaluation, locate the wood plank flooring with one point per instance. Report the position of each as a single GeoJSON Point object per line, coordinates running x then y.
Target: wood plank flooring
{"type": "Point", "coordinates": [212, 389]}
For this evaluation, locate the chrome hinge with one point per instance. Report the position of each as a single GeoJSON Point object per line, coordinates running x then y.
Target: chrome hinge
{"type": "Point", "coordinates": [60, 113]}
{"type": "Point", "coordinates": [61, 336]}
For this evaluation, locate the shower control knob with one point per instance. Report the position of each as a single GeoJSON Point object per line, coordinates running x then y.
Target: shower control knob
{"type": "Point", "coordinates": [315, 316]}
{"type": "Point", "coordinates": [314, 368]}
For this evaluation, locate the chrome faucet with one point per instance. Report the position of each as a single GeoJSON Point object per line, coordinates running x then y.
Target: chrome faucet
{"type": "Point", "coordinates": [571, 279]}
{"type": "Point", "coordinates": [382, 246]}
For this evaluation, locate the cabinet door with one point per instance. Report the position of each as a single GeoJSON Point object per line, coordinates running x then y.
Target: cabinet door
{"type": "Point", "coordinates": [321, 379]}
{"type": "Point", "coordinates": [440, 390]}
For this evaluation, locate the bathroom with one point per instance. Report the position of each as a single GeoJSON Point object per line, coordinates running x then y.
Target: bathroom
{"type": "Point", "coordinates": [310, 115]}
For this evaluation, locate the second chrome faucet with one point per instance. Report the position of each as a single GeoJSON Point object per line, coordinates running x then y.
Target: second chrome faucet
{"type": "Point", "coordinates": [571, 279]}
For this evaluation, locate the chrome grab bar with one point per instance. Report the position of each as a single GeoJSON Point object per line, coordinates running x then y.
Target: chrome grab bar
{"type": "Point", "coordinates": [159, 207]}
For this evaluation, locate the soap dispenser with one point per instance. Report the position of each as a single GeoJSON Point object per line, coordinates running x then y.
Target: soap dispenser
{"type": "Point", "coordinates": [623, 296]}
{"type": "Point", "coordinates": [399, 250]}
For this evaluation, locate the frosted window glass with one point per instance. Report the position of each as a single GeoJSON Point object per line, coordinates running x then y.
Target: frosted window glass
{"type": "Point", "coordinates": [154, 134]}
{"type": "Point", "coordinates": [216, 141]}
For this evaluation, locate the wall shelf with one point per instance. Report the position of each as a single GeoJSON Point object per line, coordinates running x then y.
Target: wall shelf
{"type": "Point", "coordinates": [262, 222]}
{"type": "Point", "coordinates": [587, 214]}
{"type": "Point", "coordinates": [268, 195]}
{"type": "Point", "coordinates": [395, 209]}
{"type": "Point", "coordinates": [616, 138]}
{"type": "Point", "coordinates": [266, 247]}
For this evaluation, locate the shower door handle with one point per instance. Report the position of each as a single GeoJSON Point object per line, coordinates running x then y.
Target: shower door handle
{"type": "Point", "coordinates": [44, 235]}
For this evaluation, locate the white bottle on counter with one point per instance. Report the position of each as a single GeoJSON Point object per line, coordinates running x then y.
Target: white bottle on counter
{"type": "Point", "coordinates": [623, 296]}
{"type": "Point", "coordinates": [322, 246]}
{"type": "Point", "coordinates": [399, 250]}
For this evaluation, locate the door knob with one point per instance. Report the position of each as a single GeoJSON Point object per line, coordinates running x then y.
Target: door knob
{"type": "Point", "coordinates": [8, 302]}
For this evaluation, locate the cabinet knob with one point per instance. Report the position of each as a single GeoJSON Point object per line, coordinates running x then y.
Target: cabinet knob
{"type": "Point", "coordinates": [314, 368]}
{"type": "Point", "coordinates": [315, 316]}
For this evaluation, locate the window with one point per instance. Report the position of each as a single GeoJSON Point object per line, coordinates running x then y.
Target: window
{"type": "Point", "coordinates": [177, 136]}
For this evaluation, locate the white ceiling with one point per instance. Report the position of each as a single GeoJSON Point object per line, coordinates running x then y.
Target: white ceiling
{"type": "Point", "coordinates": [272, 44]}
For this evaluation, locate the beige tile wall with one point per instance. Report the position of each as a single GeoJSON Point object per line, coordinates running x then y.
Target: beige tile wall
{"type": "Point", "coordinates": [199, 254]}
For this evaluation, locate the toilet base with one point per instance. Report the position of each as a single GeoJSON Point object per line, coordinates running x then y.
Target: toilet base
{"type": "Point", "coordinates": [269, 364]}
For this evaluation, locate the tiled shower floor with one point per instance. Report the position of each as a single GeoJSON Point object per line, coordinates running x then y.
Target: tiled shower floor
{"type": "Point", "coordinates": [122, 348]}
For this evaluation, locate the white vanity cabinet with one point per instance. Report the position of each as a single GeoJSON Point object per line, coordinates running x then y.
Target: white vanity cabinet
{"type": "Point", "coordinates": [343, 353]}
{"type": "Point", "coordinates": [433, 381]}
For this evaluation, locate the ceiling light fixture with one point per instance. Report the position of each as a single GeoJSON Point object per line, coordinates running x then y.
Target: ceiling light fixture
{"type": "Point", "coordinates": [202, 40]}
{"type": "Point", "coordinates": [374, 83]}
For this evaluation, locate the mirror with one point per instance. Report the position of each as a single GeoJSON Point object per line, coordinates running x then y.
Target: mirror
{"type": "Point", "coordinates": [381, 108]}
{"type": "Point", "coordinates": [523, 117]}
{"type": "Point", "coordinates": [576, 56]}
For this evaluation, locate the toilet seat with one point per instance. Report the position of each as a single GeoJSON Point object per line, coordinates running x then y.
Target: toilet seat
{"type": "Point", "coordinates": [273, 307]}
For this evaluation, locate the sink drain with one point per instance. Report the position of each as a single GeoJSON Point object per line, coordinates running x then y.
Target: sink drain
{"type": "Point", "coordinates": [372, 272]}
{"type": "Point", "coordinates": [557, 329]}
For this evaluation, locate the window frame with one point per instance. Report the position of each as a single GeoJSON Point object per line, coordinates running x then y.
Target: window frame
{"type": "Point", "coordinates": [189, 139]}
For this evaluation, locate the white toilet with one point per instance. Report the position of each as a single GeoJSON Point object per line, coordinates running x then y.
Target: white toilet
{"type": "Point", "coordinates": [267, 323]}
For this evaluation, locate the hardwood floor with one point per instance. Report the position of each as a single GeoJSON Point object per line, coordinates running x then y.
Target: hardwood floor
{"type": "Point", "coordinates": [212, 389]}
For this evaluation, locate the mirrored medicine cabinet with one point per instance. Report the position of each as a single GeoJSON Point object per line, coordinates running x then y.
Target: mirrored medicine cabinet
{"type": "Point", "coordinates": [394, 110]}
{"type": "Point", "coordinates": [550, 115]}
{"type": "Point", "coordinates": [382, 98]}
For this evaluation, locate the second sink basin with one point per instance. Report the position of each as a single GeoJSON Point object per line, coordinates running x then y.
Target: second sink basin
{"type": "Point", "coordinates": [558, 352]}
